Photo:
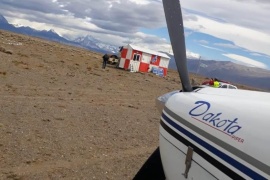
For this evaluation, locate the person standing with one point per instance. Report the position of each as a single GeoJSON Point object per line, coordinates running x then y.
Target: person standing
{"type": "Point", "coordinates": [105, 60]}
{"type": "Point", "coordinates": [211, 82]}
{"type": "Point", "coordinates": [216, 84]}
{"type": "Point", "coordinates": [119, 56]}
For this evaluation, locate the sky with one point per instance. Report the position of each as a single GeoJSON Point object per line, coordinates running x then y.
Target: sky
{"type": "Point", "coordinates": [228, 30]}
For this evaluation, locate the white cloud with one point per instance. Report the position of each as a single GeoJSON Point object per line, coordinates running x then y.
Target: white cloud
{"type": "Point", "coordinates": [203, 42]}
{"type": "Point", "coordinates": [143, 2]}
{"type": "Point", "coordinates": [75, 25]}
{"type": "Point", "coordinates": [112, 21]}
{"type": "Point", "coordinates": [150, 42]}
{"type": "Point", "coordinates": [226, 45]}
{"type": "Point", "coordinates": [209, 47]}
{"type": "Point", "coordinates": [251, 14]}
{"type": "Point", "coordinates": [243, 37]}
{"type": "Point", "coordinates": [256, 54]}
{"type": "Point", "coordinates": [192, 55]}
{"type": "Point", "coordinates": [246, 61]}
{"type": "Point", "coordinates": [245, 23]}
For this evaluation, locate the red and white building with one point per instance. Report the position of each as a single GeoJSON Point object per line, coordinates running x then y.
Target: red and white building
{"type": "Point", "coordinates": [137, 59]}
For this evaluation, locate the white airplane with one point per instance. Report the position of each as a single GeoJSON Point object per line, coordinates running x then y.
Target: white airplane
{"type": "Point", "coordinates": [208, 133]}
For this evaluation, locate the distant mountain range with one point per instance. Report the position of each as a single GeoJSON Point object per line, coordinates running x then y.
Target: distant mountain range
{"type": "Point", "coordinates": [91, 43]}
{"type": "Point", "coordinates": [50, 35]}
{"type": "Point", "coordinates": [229, 71]}
{"type": "Point", "coordinates": [87, 42]}
{"type": "Point", "coordinates": [225, 70]}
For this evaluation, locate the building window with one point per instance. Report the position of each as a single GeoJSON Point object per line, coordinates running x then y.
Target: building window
{"type": "Point", "coordinates": [136, 57]}
{"type": "Point", "coordinates": [154, 59]}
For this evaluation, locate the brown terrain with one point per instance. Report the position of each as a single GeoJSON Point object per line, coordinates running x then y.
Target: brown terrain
{"type": "Point", "coordinates": [63, 117]}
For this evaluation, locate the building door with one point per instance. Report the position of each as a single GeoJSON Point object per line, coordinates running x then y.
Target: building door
{"type": "Point", "coordinates": [135, 63]}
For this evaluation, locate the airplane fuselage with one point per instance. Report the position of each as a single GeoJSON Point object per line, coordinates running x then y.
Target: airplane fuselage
{"type": "Point", "coordinates": [226, 130]}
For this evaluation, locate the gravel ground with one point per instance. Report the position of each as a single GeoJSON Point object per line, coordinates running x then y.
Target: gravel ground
{"type": "Point", "coordinates": [63, 117]}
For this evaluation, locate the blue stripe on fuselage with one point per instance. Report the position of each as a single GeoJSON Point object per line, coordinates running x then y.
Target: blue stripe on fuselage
{"type": "Point", "coordinates": [214, 150]}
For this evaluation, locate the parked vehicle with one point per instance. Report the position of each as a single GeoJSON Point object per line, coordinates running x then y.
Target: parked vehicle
{"type": "Point", "coordinates": [114, 59]}
{"type": "Point", "coordinates": [222, 84]}
{"type": "Point", "coordinates": [226, 86]}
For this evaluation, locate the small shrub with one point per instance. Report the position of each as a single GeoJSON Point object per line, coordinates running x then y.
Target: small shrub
{"type": "Point", "coordinates": [2, 49]}
{"type": "Point", "coordinates": [8, 52]}
{"type": "Point", "coordinates": [89, 68]}
{"type": "Point", "coordinates": [23, 55]}
{"type": "Point", "coordinates": [5, 51]}
{"type": "Point", "coordinates": [19, 63]}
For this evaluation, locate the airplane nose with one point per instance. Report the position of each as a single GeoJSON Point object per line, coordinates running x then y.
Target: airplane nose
{"type": "Point", "coordinates": [161, 100]}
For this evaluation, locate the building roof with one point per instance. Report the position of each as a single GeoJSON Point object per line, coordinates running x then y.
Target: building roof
{"type": "Point", "coordinates": [138, 48]}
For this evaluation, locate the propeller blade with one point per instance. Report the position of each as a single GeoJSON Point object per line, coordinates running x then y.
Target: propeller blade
{"type": "Point", "coordinates": [175, 26]}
